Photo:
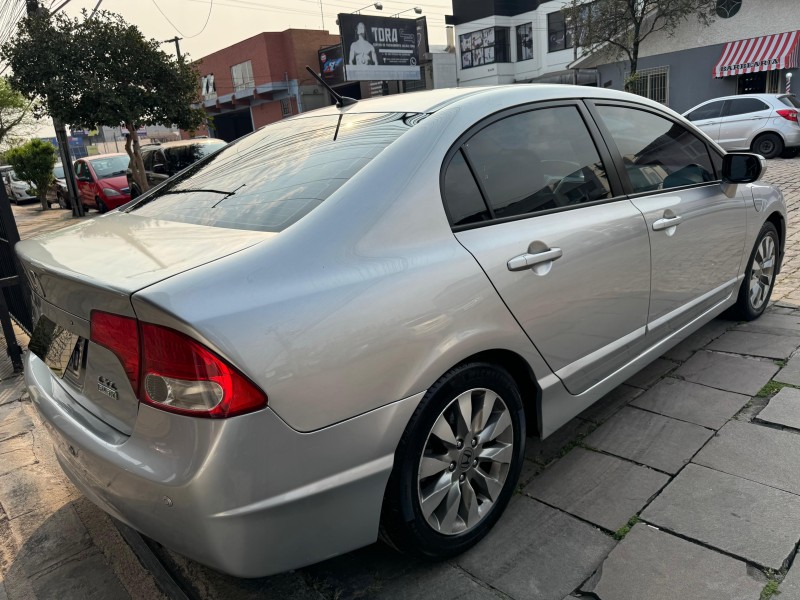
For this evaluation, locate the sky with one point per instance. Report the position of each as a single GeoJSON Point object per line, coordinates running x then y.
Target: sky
{"type": "Point", "coordinates": [210, 25]}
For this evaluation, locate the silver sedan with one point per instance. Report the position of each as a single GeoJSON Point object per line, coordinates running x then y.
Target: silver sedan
{"type": "Point", "coordinates": [350, 321]}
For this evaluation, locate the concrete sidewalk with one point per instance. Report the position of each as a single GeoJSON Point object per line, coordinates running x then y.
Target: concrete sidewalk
{"type": "Point", "coordinates": [682, 483]}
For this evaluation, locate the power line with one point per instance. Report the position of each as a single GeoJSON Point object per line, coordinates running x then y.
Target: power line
{"type": "Point", "coordinates": [208, 18]}
{"type": "Point", "coordinates": [163, 14]}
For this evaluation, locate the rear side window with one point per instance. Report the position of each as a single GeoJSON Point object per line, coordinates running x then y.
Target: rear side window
{"type": "Point", "coordinates": [270, 179]}
{"type": "Point", "coordinates": [537, 160]}
{"type": "Point", "coordinates": [712, 110]}
{"type": "Point", "coordinates": [657, 153]}
{"type": "Point", "coordinates": [743, 106]}
{"type": "Point", "coordinates": [790, 100]}
{"type": "Point", "coordinates": [462, 197]}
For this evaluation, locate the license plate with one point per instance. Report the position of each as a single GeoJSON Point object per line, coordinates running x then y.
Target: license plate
{"type": "Point", "coordinates": [60, 349]}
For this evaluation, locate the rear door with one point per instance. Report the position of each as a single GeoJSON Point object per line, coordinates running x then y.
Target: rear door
{"type": "Point", "coordinates": [536, 201]}
{"type": "Point", "coordinates": [697, 232]}
{"type": "Point", "coordinates": [706, 118]}
{"type": "Point", "coordinates": [741, 119]}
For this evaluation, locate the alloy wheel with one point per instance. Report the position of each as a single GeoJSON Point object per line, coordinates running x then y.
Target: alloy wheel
{"type": "Point", "coordinates": [762, 271]}
{"type": "Point", "coordinates": [465, 461]}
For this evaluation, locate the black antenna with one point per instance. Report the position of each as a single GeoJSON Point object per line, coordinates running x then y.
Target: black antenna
{"type": "Point", "coordinates": [340, 100]}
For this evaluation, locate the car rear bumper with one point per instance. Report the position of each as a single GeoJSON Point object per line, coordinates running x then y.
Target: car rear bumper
{"type": "Point", "coordinates": [248, 495]}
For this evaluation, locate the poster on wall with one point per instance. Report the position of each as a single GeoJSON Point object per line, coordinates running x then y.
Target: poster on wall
{"type": "Point", "coordinates": [331, 64]}
{"type": "Point", "coordinates": [478, 48]}
{"type": "Point", "coordinates": [525, 41]}
{"type": "Point", "coordinates": [379, 48]}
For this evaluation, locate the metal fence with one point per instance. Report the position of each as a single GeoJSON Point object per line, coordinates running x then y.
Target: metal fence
{"type": "Point", "coordinates": [15, 300]}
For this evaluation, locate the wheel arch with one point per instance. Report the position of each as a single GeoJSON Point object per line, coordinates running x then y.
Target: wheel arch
{"type": "Point", "coordinates": [523, 376]}
{"type": "Point", "coordinates": [776, 218]}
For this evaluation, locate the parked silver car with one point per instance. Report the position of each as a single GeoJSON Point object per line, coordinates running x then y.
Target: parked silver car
{"type": "Point", "coordinates": [764, 123]}
{"type": "Point", "coordinates": [350, 321]}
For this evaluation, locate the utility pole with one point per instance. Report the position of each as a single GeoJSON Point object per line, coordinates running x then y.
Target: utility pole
{"type": "Point", "coordinates": [33, 7]}
{"type": "Point", "coordinates": [176, 39]}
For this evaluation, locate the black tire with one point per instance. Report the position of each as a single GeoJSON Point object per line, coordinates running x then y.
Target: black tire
{"type": "Point", "coordinates": [768, 145]}
{"type": "Point", "coordinates": [85, 209]}
{"type": "Point", "coordinates": [101, 207]}
{"type": "Point", "coordinates": [403, 525]}
{"type": "Point", "coordinates": [790, 152]}
{"type": "Point", "coordinates": [744, 308]}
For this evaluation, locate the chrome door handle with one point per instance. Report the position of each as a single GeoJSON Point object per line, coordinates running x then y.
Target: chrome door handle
{"type": "Point", "coordinates": [526, 261]}
{"type": "Point", "coordinates": [665, 223]}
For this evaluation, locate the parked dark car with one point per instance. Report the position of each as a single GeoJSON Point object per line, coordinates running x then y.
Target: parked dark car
{"type": "Point", "coordinates": [58, 192]}
{"type": "Point", "coordinates": [162, 161]}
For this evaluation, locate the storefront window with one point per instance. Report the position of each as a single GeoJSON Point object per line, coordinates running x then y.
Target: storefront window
{"type": "Point", "coordinates": [558, 38]}
{"type": "Point", "coordinates": [524, 41]}
{"type": "Point", "coordinates": [484, 47]}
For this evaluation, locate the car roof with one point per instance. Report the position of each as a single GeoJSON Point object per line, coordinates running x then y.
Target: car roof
{"type": "Point", "coordinates": [432, 100]}
{"type": "Point", "coordinates": [739, 97]}
{"type": "Point", "coordinates": [101, 156]}
{"type": "Point", "coordinates": [179, 143]}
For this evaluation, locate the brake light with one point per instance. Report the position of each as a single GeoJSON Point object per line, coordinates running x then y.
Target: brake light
{"type": "Point", "coordinates": [171, 371]}
{"type": "Point", "coordinates": [788, 113]}
{"type": "Point", "coordinates": [121, 336]}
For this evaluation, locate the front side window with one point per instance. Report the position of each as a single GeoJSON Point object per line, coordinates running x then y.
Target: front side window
{"type": "Point", "coordinates": [270, 179]}
{"type": "Point", "coordinates": [657, 153]}
{"type": "Point", "coordinates": [242, 75]}
{"type": "Point", "coordinates": [537, 160]}
{"type": "Point", "coordinates": [712, 110]}
{"type": "Point", "coordinates": [743, 106]}
{"type": "Point", "coordinates": [557, 36]}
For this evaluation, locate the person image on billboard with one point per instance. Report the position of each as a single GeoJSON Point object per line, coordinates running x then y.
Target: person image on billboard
{"type": "Point", "coordinates": [361, 51]}
{"type": "Point", "coordinates": [466, 59]}
{"type": "Point", "coordinates": [466, 42]}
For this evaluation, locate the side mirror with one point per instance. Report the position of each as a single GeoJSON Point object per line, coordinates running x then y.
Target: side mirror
{"type": "Point", "coordinates": [160, 169]}
{"type": "Point", "coordinates": [741, 167]}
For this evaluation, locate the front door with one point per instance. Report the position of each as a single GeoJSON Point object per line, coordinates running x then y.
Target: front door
{"type": "Point", "coordinates": [85, 183]}
{"type": "Point", "coordinates": [568, 257]}
{"type": "Point", "coordinates": [740, 119]}
{"type": "Point", "coordinates": [707, 118]}
{"type": "Point", "coordinates": [697, 232]}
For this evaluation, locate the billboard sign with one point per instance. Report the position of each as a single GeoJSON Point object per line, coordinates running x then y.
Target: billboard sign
{"type": "Point", "coordinates": [422, 37]}
{"type": "Point", "coordinates": [379, 48]}
{"type": "Point", "coordinates": [331, 64]}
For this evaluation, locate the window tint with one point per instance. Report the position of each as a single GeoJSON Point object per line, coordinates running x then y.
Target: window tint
{"type": "Point", "coordinates": [658, 154]}
{"type": "Point", "coordinates": [742, 106]}
{"type": "Point", "coordinates": [180, 157]}
{"type": "Point", "coordinates": [790, 100]}
{"type": "Point", "coordinates": [461, 194]}
{"type": "Point", "coordinates": [270, 179]}
{"type": "Point", "coordinates": [558, 37]}
{"type": "Point", "coordinates": [536, 161]}
{"type": "Point", "coordinates": [712, 110]}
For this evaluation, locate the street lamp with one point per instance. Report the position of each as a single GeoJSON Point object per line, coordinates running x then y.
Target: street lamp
{"type": "Point", "coordinates": [416, 9]}
{"type": "Point", "coordinates": [376, 5]}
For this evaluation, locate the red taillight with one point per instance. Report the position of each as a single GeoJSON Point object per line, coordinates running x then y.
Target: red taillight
{"type": "Point", "coordinates": [175, 372]}
{"type": "Point", "coordinates": [121, 336]}
{"type": "Point", "coordinates": [788, 113]}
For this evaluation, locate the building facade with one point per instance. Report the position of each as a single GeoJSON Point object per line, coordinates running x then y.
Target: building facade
{"type": "Point", "coordinates": [261, 80]}
{"type": "Point", "coordinates": [750, 47]}
{"type": "Point", "coordinates": [514, 41]}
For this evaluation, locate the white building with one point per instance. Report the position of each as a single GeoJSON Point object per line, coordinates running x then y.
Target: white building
{"type": "Point", "coordinates": [513, 41]}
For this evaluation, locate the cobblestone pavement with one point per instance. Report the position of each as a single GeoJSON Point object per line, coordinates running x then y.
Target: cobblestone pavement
{"type": "Point", "coordinates": [680, 484]}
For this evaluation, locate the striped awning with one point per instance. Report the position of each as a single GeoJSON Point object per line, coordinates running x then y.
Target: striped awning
{"type": "Point", "coordinates": [766, 53]}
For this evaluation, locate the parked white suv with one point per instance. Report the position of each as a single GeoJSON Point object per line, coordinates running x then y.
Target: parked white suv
{"type": "Point", "coordinates": [763, 123]}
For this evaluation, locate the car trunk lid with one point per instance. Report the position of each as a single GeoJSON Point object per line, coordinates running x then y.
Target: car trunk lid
{"type": "Point", "coordinates": [98, 265]}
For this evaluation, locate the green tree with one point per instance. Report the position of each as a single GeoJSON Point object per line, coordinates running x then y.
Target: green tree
{"type": "Point", "coordinates": [618, 27]}
{"type": "Point", "coordinates": [16, 115]}
{"type": "Point", "coordinates": [102, 71]}
{"type": "Point", "coordinates": [34, 161]}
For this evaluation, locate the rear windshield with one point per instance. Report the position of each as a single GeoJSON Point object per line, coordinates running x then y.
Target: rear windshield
{"type": "Point", "coordinates": [790, 101]}
{"type": "Point", "coordinates": [113, 166]}
{"type": "Point", "coordinates": [272, 178]}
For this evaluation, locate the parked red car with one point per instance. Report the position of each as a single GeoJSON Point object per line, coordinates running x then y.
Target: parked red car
{"type": "Point", "coordinates": [101, 181]}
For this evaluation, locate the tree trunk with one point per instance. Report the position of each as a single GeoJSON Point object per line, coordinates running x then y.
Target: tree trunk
{"type": "Point", "coordinates": [43, 200]}
{"type": "Point", "coordinates": [134, 150]}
